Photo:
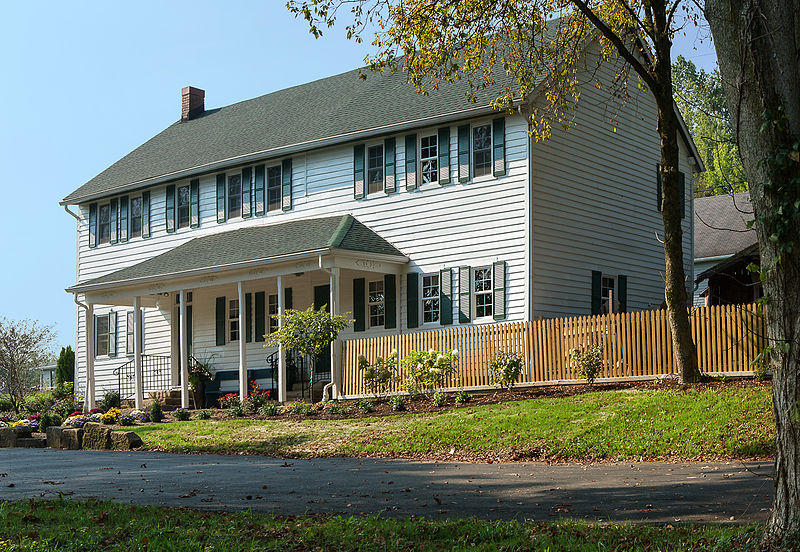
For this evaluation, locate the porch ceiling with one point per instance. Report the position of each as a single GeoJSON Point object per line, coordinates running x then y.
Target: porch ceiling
{"type": "Point", "coordinates": [255, 246]}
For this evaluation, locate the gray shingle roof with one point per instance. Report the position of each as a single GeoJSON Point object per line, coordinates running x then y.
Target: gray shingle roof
{"type": "Point", "coordinates": [720, 225]}
{"type": "Point", "coordinates": [334, 106]}
{"type": "Point", "coordinates": [252, 244]}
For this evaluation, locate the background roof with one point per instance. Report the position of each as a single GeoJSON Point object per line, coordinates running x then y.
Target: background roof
{"type": "Point", "coordinates": [720, 225]}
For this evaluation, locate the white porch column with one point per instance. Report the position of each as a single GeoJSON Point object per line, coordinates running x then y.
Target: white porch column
{"type": "Point", "coordinates": [281, 359]}
{"type": "Point", "coordinates": [88, 402]}
{"type": "Point", "coordinates": [335, 355]}
{"type": "Point", "coordinates": [137, 354]}
{"type": "Point", "coordinates": [242, 346]}
{"type": "Point", "coordinates": [184, 351]}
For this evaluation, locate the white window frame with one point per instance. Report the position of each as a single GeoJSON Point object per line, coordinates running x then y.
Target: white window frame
{"type": "Point", "coordinates": [367, 191]}
{"type": "Point", "coordinates": [138, 234]}
{"type": "Point", "coordinates": [423, 299]}
{"type": "Point", "coordinates": [486, 293]}
{"type": "Point", "coordinates": [272, 310]}
{"type": "Point", "coordinates": [279, 204]}
{"type": "Point", "coordinates": [228, 196]}
{"type": "Point", "coordinates": [472, 152]}
{"type": "Point", "coordinates": [100, 224]}
{"type": "Point", "coordinates": [97, 334]}
{"type": "Point", "coordinates": [604, 278]}
{"type": "Point", "coordinates": [188, 207]}
{"type": "Point", "coordinates": [371, 304]}
{"type": "Point", "coordinates": [233, 320]}
{"type": "Point", "coordinates": [129, 333]}
{"type": "Point", "coordinates": [434, 159]}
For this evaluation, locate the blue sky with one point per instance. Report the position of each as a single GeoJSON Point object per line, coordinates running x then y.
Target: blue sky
{"type": "Point", "coordinates": [86, 82]}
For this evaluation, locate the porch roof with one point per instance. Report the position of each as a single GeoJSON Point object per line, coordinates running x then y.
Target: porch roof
{"type": "Point", "coordinates": [251, 246]}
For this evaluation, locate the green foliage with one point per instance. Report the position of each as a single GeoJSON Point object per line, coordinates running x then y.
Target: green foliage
{"type": "Point", "coordinates": [439, 398]}
{"type": "Point", "coordinates": [701, 100]}
{"type": "Point", "coordinates": [237, 410]}
{"type": "Point", "coordinates": [65, 366]}
{"type": "Point", "coordinates": [300, 407]}
{"type": "Point", "coordinates": [588, 361]}
{"type": "Point", "coordinates": [24, 345]}
{"type": "Point", "coordinates": [50, 419]}
{"type": "Point", "coordinates": [365, 405]}
{"type": "Point", "coordinates": [336, 407]}
{"type": "Point", "coordinates": [6, 404]}
{"type": "Point", "coordinates": [200, 371]}
{"type": "Point", "coordinates": [307, 332]}
{"type": "Point", "coordinates": [110, 400]}
{"type": "Point", "coordinates": [269, 409]}
{"type": "Point", "coordinates": [257, 398]}
{"type": "Point", "coordinates": [378, 375]}
{"type": "Point", "coordinates": [64, 391]}
{"type": "Point", "coordinates": [228, 400]}
{"type": "Point", "coordinates": [463, 397]}
{"type": "Point", "coordinates": [156, 411]}
{"type": "Point", "coordinates": [429, 370]}
{"type": "Point", "coordinates": [506, 368]}
{"type": "Point", "coordinates": [181, 414]}
{"type": "Point", "coordinates": [204, 415]}
{"type": "Point", "coordinates": [397, 403]}
{"type": "Point", "coordinates": [39, 402]}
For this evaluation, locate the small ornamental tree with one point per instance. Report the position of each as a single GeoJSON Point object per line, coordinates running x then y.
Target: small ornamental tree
{"type": "Point", "coordinates": [378, 375]}
{"type": "Point", "coordinates": [24, 345]}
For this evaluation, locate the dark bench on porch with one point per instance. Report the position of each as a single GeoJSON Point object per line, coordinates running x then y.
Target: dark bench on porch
{"type": "Point", "coordinates": [212, 388]}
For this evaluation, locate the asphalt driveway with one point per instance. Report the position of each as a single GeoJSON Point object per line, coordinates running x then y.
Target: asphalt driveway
{"type": "Point", "coordinates": [652, 492]}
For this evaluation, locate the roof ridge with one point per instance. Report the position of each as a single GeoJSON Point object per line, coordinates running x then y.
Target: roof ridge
{"type": "Point", "coordinates": [341, 231]}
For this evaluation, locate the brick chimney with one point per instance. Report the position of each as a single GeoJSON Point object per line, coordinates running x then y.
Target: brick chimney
{"type": "Point", "coordinates": [192, 102]}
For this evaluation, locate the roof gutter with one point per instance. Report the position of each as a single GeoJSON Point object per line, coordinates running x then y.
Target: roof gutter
{"type": "Point", "coordinates": [713, 259]}
{"type": "Point", "coordinates": [286, 150]}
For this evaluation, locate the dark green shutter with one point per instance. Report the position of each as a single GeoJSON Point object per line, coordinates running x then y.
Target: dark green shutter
{"type": "Point", "coordinates": [658, 187]}
{"type": "Point", "coordinates": [112, 334]}
{"type": "Point", "coordinates": [258, 192]}
{"type": "Point", "coordinates": [682, 193]}
{"type": "Point", "coordinates": [464, 295]}
{"type": "Point", "coordinates": [113, 220]}
{"type": "Point", "coordinates": [261, 315]}
{"type": "Point", "coordinates": [463, 153]}
{"type": "Point", "coordinates": [622, 292]}
{"type": "Point", "coordinates": [286, 184]}
{"type": "Point", "coordinates": [248, 317]}
{"type": "Point", "coordinates": [93, 225]}
{"type": "Point", "coordinates": [220, 321]}
{"type": "Point", "coordinates": [247, 183]}
{"type": "Point", "coordinates": [145, 214]}
{"type": "Point", "coordinates": [123, 219]}
{"type": "Point", "coordinates": [221, 198]}
{"type": "Point", "coordinates": [194, 203]}
{"type": "Point", "coordinates": [499, 290]}
{"type": "Point", "coordinates": [445, 296]}
{"type": "Point", "coordinates": [287, 298]}
{"type": "Point", "coordinates": [499, 146]}
{"type": "Point", "coordinates": [390, 296]}
{"type": "Point", "coordinates": [411, 162]}
{"type": "Point", "coordinates": [358, 171]}
{"type": "Point", "coordinates": [412, 299]}
{"type": "Point", "coordinates": [359, 307]}
{"type": "Point", "coordinates": [389, 150]}
{"type": "Point", "coordinates": [597, 300]}
{"type": "Point", "coordinates": [443, 143]}
{"type": "Point", "coordinates": [170, 209]}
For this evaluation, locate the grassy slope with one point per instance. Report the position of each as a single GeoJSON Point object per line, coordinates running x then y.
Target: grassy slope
{"type": "Point", "coordinates": [104, 526]}
{"type": "Point", "coordinates": [710, 423]}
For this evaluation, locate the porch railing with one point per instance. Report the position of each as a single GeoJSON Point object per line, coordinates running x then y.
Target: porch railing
{"type": "Point", "coordinates": [156, 376]}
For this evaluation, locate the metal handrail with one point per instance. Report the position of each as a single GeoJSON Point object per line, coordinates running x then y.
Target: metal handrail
{"type": "Point", "coordinates": [156, 376]}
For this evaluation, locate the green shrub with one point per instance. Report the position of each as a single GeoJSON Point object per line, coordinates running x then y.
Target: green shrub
{"type": "Point", "coordinates": [335, 407]}
{"type": "Point", "coordinates": [365, 405]}
{"type": "Point", "coordinates": [269, 409]}
{"type": "Point", "coordinates": [299, 407]}
{"type": "Point", "coordinates": [588, 361]}
{"type": "Point", "coordinates": [506, 368]}
{"type": "Point", "coordinates": [203, 415]}
{"type": "Point", "coordinates": [439, 398]}
{"type": "Point", "coordinates": [229, 400]}
{"type": "Point", "coordinates": [181, 414]}
{"type": "Point", "coordinates": [66, 406]}
{"type": "Point", "coordinates": [6, 405]}
{"type": "Point", "coordinates": [64, 391]}
{"type": "Point", "coordinates": [156, 411]}
{"type": "Point", "coordinates": [39, 403]}
{"type": "Point", "coordinates": [761, 369]}
{"type": "Point", "coordinates": [397, 402]}
{"type": "Point", "coordinates": [378, 375]}
{"type": "Point", "coordinates": [237, 410]}
{"type": "Point", "coordinates": [429, 369]}
{"type": "Point", "coordinates": [110, 400]}
{"type": "Point", "coordinates": [463, 397]}
{"type": "Point", "coordinates": [50, 419]}
{"type": "Point", "coordinates": [257, 398]}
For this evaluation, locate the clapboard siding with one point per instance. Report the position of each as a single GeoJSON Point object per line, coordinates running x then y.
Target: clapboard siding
{"type": "Point", "coordinates": [594, 206]}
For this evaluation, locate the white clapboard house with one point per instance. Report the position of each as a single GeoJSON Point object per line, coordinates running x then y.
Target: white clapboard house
{"type": "Point", "coordinates": [409, 212]}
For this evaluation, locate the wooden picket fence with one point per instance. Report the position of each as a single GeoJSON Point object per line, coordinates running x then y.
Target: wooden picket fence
{"type": "Point", "coordinates": [635, 345]}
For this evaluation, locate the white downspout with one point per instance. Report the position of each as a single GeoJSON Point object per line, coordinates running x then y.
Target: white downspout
{"type": "Point", "coordinates": [331, 384]}
{"type": "Point", "coordinates": [77, 274]}
{"type": "Point", "coordinates": [88, 402]}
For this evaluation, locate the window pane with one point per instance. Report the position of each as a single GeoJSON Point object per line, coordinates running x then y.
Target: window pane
{"type": "Point", "coordinates": [183, 206]}
{"type": "Point", "coordinates": [430, 298]}
{"type": "Point", "coordinates": [274, 188]}
{"type": "Point", "coordinates": [136, 217]}
{"type": "Point", "coordinates": [103, 225]}
{"type": "Point", "coordinates": [102, 335]}
{"type": "Point", "coordinates": [375, 169]}
{"type": "Point", "coordinates": [272, 310]}
{"type": "Point", "coordinates": [235, 196]}
{"type": "Point", "coordinates": [482, 278]}
{"type": "Point", "coordinates": [376, 303]}
{"type": "Point", "coordinates": [429, 160]}
{"type": "Point", "coordinates": [482, 150]}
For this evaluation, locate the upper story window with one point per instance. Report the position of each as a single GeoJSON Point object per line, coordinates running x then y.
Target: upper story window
{"type": "Point", "coordinates": [104, 224]}
{"type": "Point", "coordinates": [183, 206]}
{"type": "Point", "coordinates": [274, 188]}
{"type": "Point", "coordinates": [377, 304]}
{"type": "Point", "coordinates": [430, 298]}
{"type": "Point", "coordinates": [482, 290]}
{"type": "Point", "coordinates": [233, 320]}
{"type": "Point", "coordinates": [136, 217]}
{"type": "Point", "coordinates": [429, 159]}
{"type": "Point", "coordinates": [235, 196]}
{"type": "Point", "coordinates": [375, 169]}
{"type": "Point", "coordinates": [482, 150]}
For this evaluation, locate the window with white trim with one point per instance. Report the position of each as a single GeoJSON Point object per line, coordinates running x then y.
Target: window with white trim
{"type": "Point", "coordinates": [430, 298]}
{"type": "Point", "coordinates": [101, 329]}
{"type": "Point", "coordinates": [104, 224]}
{"type": "Point", "coordinates": [274, 188]}
{"type": "Point", "coordinates": [234, 196]}
{"type": "Point", "coordinates": [233, 320]}
{"type": "Point", "coordinates": [374, 169]}
{"type": "Point", "coordinates": [482, 150]}
{"type": "Point", "coordinates": [129, 333]}
{"type": "Point", "coordinates": [272, 310]}
{"type": "Point", "coordinates": [482, 291]}
{"type": "Point", "coordinates": [183, 206]}
{"type": "Point", "coordinates": [607, 284]}
{"type": "Point", "coordinates": [376, 302]}
{"type": "Point", "coordinates": [429, 159]}
{"type": "Point", "coordinates": [136, 217]}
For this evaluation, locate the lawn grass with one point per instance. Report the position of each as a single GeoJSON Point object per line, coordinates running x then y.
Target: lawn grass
{"type": "Point", "coordinates": [67, 526]}
{"type": "Point", "coordinates": [721, 422]}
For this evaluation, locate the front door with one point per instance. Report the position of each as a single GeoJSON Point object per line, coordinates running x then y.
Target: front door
{"type": "Point", "coordinates": [322, 295]}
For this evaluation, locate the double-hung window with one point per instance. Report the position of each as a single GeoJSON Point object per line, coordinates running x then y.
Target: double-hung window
{"type": "Point", "coordinates": [377, 304]}
{"type": "Point", "coordinates": [430, 298]}
{"type": "Point", "coordinates": [272, 310]}
{"type": "Point", "coordinates": [183, 206]}
{"type": "Point", "coordinates": [101, 331]}
{"type": "Point", "coordinates": [233, 320]}
{"type": "Point", "coordinates": [482, 290]}
{"type": "Point", "coordinates": [234, 196]}
{"type": "Point", "coordinates": [274, 188]}
{"type": "Point", "coordinates": [136, 217]}
{"type": "Point", "coordinates": [482, 150]}
{"type": "Point", "coordinates": [375, 169]}
{"type": "Point", "coordinates": [429, 159]}
{"type": "Point", "coordinates": [104, 224]}
{"type": "Point", "coordinates": [607, 284]}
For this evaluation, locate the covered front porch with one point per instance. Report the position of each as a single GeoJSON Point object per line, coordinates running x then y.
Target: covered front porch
{"type": "Point", "coordinates": [215, 298]}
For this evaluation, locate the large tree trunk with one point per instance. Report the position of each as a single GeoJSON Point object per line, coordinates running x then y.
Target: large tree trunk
{"type": "Point", "coordinates": [757, 44]}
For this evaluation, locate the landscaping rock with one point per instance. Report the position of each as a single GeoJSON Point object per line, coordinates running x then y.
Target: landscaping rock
{"type": "Point", "coordinates": [54, 436]}
{"type": "Point", "coordinates": [32, 442]}
{"type": "Point", "coordinates": [8, 437]}
{"type": "Point", "coordinates": [96, 436]}
{"type": "Point", "coordinates": [22, 432]}
{"type": "Point", "coordinates": [125, 440]}
{"type": "Point", "coordinates": [72, 439]}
